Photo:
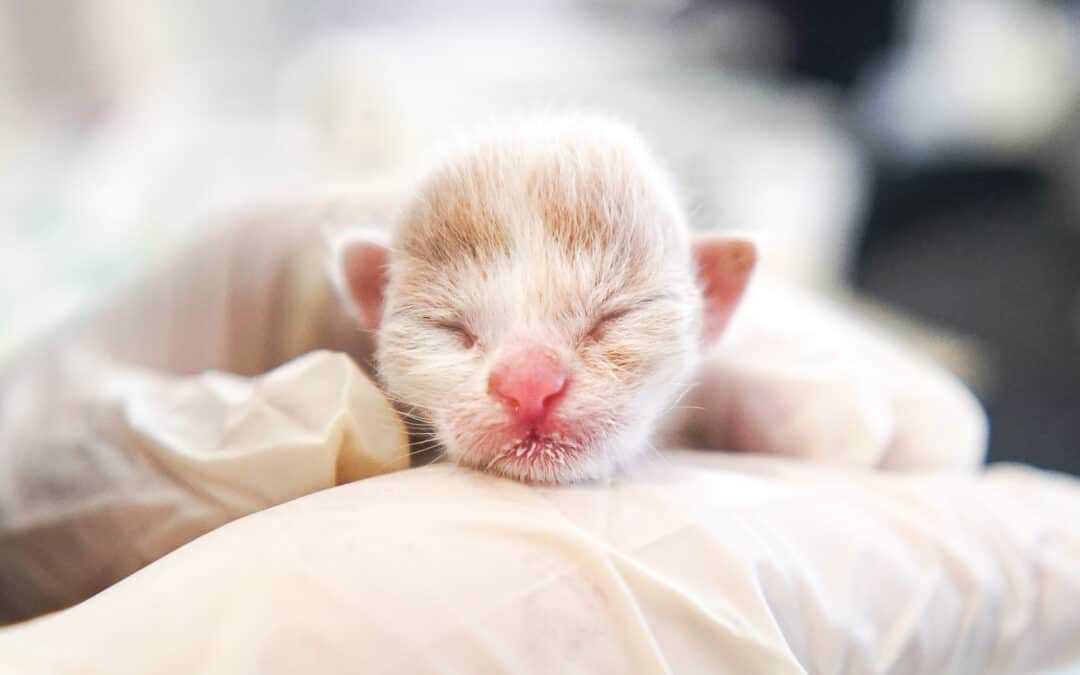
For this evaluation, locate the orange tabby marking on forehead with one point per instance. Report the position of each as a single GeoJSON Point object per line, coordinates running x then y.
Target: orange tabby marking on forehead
{"type": "Point", "coordinates": [592, 198]}
{"type": "Point", "coordinates": [456, 221]}
{"type": "Point", "coordinates": [588, 192]}
{"type": "Point", "coordinates": [571, 203]}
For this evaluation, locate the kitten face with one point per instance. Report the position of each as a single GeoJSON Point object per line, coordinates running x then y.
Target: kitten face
{"type": "Point", "coordinates": [543, 307]}
{"type": "Point", "coordinates": [570, 244]}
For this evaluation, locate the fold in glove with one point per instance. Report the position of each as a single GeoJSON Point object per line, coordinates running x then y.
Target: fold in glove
{"type": "Point", "coordinates": [130, 464]}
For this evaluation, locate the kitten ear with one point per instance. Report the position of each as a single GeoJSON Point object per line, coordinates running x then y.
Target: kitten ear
{"type": "Point", "coordinates": [724, 264]}
{"type": "Point", "coordinates": [359, 260]}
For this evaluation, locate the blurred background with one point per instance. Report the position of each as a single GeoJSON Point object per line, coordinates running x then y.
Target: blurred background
{"type": "Point", "coordinates": [917, 160]}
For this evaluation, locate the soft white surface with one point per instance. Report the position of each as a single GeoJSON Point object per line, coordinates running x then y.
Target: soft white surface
{"type": "Point", "coordinates": [711, 564]}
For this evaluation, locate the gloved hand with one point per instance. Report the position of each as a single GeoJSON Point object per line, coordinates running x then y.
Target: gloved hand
{"type": "Point", "coordinates": [167, 412]}
{"type": "Point", "coordinates": [799, 377]}
{"type": "Point", "coordinates": [715, 564]}
{"type": "Point", "coordinates": [117, 445]}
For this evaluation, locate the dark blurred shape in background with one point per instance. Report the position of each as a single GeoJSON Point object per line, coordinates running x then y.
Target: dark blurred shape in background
{"type": "Point", "coordinates": [830, 42]}
{"type": "Point", "coordinates": [976, 232]}
{"type": "Point", "coordinates": [924, 155]}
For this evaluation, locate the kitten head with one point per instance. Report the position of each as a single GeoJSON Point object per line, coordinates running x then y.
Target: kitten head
{"type": "Point", "coordinates": [540, 302]}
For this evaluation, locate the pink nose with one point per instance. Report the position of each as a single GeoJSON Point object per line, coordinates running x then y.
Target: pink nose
{"type": "Point", "coordinates": [528, 382]}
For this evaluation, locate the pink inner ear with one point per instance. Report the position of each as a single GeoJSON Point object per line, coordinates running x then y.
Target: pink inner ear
{"type": "Point", "coordinates": [365, 273]}
{"type": "Point", "coordinates": [724, 267]}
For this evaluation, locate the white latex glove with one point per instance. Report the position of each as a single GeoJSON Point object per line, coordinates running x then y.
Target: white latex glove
{"type": "Point", "coordinates": [715, 564]}
{"type": "Point", "coordinates": [116, 446]}
{"type": "Point", "coordinates": [796, 376]}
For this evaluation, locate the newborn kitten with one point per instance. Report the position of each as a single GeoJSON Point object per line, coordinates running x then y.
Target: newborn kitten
{"type": "Point", "coordinates": [540, 303]}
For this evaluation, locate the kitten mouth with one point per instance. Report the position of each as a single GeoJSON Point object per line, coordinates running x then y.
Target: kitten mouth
{"type": "Point", "coordinates": [534, 454]}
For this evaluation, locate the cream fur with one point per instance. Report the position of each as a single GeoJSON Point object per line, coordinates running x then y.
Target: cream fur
{"type": "Point", "coordinates": [533, 231]}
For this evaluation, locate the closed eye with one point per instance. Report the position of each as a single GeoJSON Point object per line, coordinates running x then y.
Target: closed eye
{"type": "Point", "coordinates": [596, 332]}
{"type": "Point", "coordinates": [463, 334]}
{"type": "Point", "coordinates": [605, 321]}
